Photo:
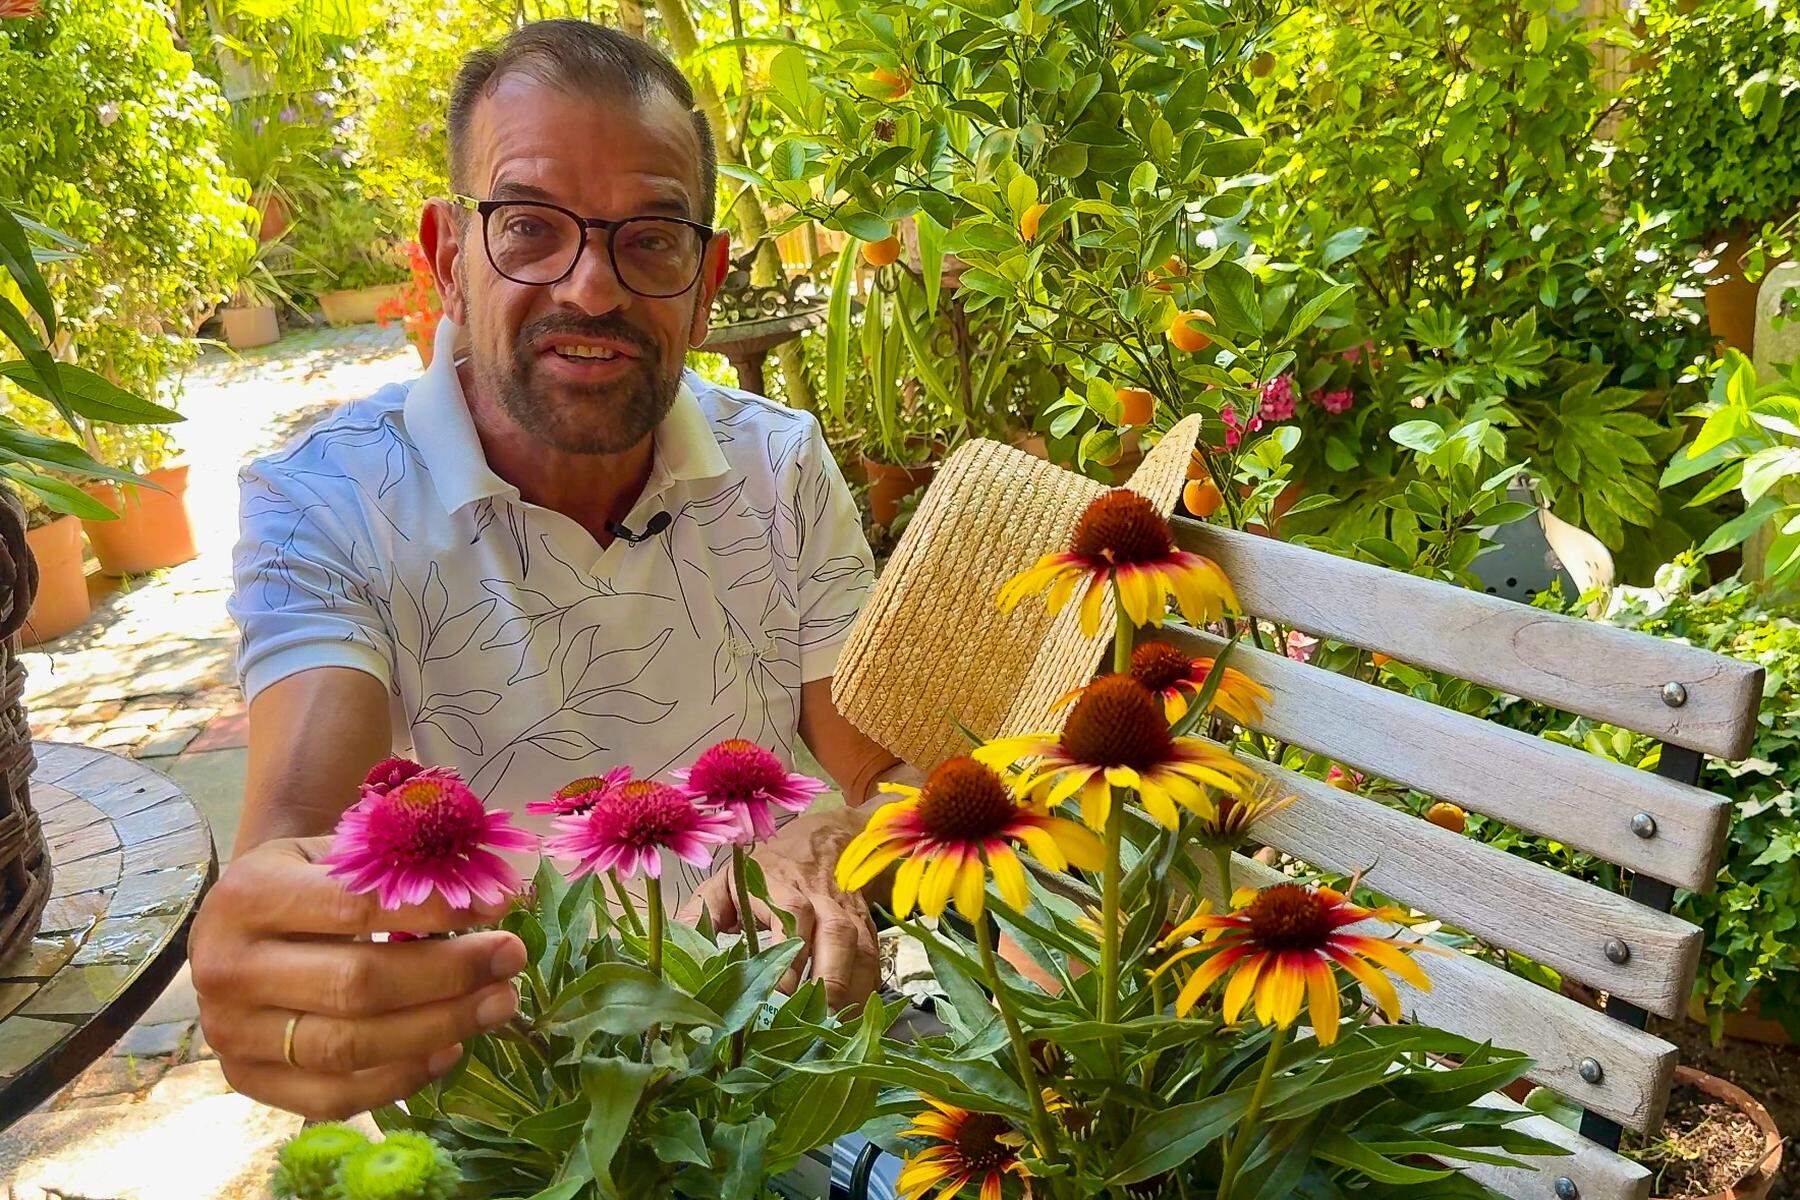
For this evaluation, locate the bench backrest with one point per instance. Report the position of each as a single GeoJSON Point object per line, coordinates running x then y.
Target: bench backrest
{"type": "Point", "coordinates": [1659, 827]}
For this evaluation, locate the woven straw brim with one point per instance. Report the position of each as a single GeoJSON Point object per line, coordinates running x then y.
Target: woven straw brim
{"type": "Point", "coordinates": [931, 649]}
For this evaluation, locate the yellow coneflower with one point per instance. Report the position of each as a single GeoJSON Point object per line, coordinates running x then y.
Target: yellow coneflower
{"type": "Point", "coordinates": [1122, 538]}
{"type": "Point", "coordinates": [1117, 736]}
{"type": "Point", "coordinates": [967, 1147]}
{"type": "Point", "coordinates": [1279, 946]}
{"type": "Point", "coordinates": [944, 831]}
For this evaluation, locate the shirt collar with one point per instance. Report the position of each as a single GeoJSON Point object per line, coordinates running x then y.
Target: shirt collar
{"type": "Point", "coordinates": [438, 421]}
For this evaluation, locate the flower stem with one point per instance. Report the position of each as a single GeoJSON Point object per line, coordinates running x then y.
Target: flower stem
{"type": "Point", "coordinates": [626, 908]}
{"type": "Point", "coordinates": [1124, 633]}
{"type": "Point", "coordinates": [1240, 1146]}
{"type": "Point", "coordinates": [1222, 859]}
{"type": "Point", "coordinates": [1040, 1117]}
{"type": "Point", "coordinates": [1111, 870]}
{"type": "Point", "coordinates": [653, 890]}
{"type": "Point", "coordinates": [746, 920]}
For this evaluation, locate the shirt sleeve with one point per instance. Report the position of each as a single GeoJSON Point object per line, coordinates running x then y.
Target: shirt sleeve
{"type": "Point", "coordinates": [299, 598]}
{"type": "Point", "coordinates": [836, 569]}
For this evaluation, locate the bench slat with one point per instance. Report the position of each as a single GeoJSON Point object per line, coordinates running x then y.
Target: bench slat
{"type": "Point", "coordinates": [1598, 1173]}
{"type": "Point", "coordinates": [1582, 667]}
{"type": "Point", "coordinates": [1478, 1000]}
{"type": "Point", "coordinates": [1502, 898]}
{"type": "Point", "coordinates": [1556, 791]}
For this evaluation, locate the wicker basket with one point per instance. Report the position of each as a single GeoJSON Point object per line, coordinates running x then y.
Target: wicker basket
{"type": "Point", "coordinates": [24, 859]}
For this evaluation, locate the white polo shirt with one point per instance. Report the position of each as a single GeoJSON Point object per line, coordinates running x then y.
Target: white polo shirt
{"type": "Point", "coordinates": [514, 647]}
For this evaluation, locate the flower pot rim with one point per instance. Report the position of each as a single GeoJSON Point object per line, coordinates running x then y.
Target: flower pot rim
{"type": "Point", "coordinates": [1768, 1167]}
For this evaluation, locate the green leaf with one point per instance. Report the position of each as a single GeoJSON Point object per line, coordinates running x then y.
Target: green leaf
{"type": "Point", "coordinates": [1767, 468]}
{"type": "Point", "coordinates": [1426, 437]}
{"type": "Point", "coordinates": [20, 442]}
{"type": "Point", "coordinates": [17, 330]}
{"type": "Point", "coordinates": [612, 1087]}
{"type": "Point", "coordinates": [59, 494]}
{"type": "Point", "coordinates": [740, 991]}
{"type": "Point", "coordinates": [677, 1138]}
{"type": "Point", "coordinates": [1340, 1148]}
{"type": "Point", "coordinates": [931, 259]}
{"type": "Point", "coordinates": [622, 999]}
{"type": "Point", "coordinates": [739, 1150]}
{"type": "Point", "coordinates": [1740, 527]}
{"type": "Point", "coordinates": [867, 226]}
{"type": "Point", "coordinates": [16, 257]}
{"type": "Point", "coordinates": [1169, 1138]}
{"type": "Point", "coordinates": [837, 332]}
{"type": "Point", "coordinates": [1315, 308]}
{"type": "Point", "coordinates": [791, 81]}
{"type": "Point", "coordinates": [1343, 244]}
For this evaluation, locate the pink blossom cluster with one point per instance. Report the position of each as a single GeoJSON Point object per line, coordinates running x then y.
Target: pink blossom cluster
{"type": "Point", "coordinates": [1279, 399]}
{"type": "Point", "coordinates": [416, 830]}
{"type": "Point", "coordinates": [1336, 402]}
{"type": "Point", "coordinates": [1234, 431]}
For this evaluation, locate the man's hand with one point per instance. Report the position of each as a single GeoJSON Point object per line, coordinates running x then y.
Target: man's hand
{"type": "Point", "coordinates": [275, 937]}
{"type": "Point", "coordinates": [797, 865]}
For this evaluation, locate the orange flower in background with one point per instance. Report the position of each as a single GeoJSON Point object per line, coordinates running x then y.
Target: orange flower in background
{"type": "Point", "coordinates": [1280, 946]}
{"type": "Point", "coordinates": [19, 10]}
{"type": "Point", "coordinates": [966, 1147]}
{"type": "Point", "coordinates": [1122, 538]}
{"type": "Point", "coordinates": [944, 831]}
{"type": "Point", "coordinates": [1117, 736]}
{"type": "Point", "coordinates": [1230, 826]}
{"type": "Point", "coordinates": [1178, 680]}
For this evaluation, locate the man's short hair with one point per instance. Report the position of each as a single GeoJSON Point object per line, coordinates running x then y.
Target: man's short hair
{"type": "Point", "coordinates": [577, 54]}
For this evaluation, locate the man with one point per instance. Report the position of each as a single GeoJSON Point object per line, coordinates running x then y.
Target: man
{"type": "Point", "coordinates": [556, 554]}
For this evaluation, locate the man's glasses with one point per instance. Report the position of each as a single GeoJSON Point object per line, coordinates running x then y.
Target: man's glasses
{"type": "Point", "coordinates": [534, 242]}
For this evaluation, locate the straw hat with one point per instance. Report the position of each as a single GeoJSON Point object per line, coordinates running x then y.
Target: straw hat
{"type": "Point", "coordinates": [931, 647]}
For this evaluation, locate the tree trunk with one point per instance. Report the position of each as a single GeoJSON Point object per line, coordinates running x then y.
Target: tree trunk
{"type": "Point", "coordinates": [631, 17]}
{"type": "Point", "coordinates": [752, 221]}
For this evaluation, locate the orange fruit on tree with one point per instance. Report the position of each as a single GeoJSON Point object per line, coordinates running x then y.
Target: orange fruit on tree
{"type": "Point", "coordinates": [1445, 815]}
{"type": "Point", "coordinates": [883, 252]}
{"type": "Point", "coordinates": [890, 84]}
{"type": "Point", "coordinates": [1136, 406]}
{"type": "Point", "coordinates": [1196, 468]}
{"type": "Point", "coordinates": [1175, 265]}
{"type": "Point", "coordinates": [1028, 221]}
{"type": "Point", "coordinates": [1380, 659]}
{"type": "Point", "coordinates": [1188, 331]}
{"type": "Point", "coordinates": [1201, 497]}
{"type": "Point", "coordinates": [1262, 64]}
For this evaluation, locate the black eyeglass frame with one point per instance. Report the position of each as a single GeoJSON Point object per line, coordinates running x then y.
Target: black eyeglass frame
{"type": "Point", "coordinates": [485, 207]}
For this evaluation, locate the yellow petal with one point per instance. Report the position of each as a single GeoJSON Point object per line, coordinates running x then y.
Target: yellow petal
{"type": "Point", "coordinates": [871, 866]}
{"type": "Point", "coordinates": [1379, 985]}
{"type": "Point", "coordinates": [1322, 996]}
{"type": "Point", "coordinates": [1044, 845]}
{"type": "Point", "coordinates": [971, 887]}
{"type": "Point", "coordinates": [906, 885]}
{"type": "Point", "coordinates": [1068, 781]}
{"type": "Point", "coordinates": [1079, 844]}
{"type": "Point", "coordinates": [1009, 877]}
{"type": "Point", "coordinates": [1093, 605]}
{"type": "Point", "coordinates": [1096, 802]}
{"type": "Point", "coordinates": [1385, 953]}
{"type": "Point", "coordinates": [1241, 985]}
{"type": "Point", "coordinates": [940, 879]}
{"type": "Point", "coordinates": [1123, 777]}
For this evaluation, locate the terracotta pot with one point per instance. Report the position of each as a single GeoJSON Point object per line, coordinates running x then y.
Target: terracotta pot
{"type": "Point", "coordinates": [153, 529]}
{"type": "Point", "coordinates": [248, 327]}
{"type": "Point", "coordinates": [62, 598]}
{"type": "Point", "coordinates": [1757, 1184]}
{"type": "Point", "coordinates": [275, 218]}
{"type": "Point", "coordinates": [890, 484]}
{"type": "Point", "coordinates": [1731, 302]}
{"type": "Point", "coordinates": [1747, 1024]}
{"type": "Point", "coordinates": [356, 306]}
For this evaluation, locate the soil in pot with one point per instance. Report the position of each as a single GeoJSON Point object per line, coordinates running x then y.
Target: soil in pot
{"type": "Point", "coordinates": [62, 599]}
{"type": "Point", "coordinates": [248, 327]}
{"type": "Point", "coordinates": [153, 529]}
{"type": "Point", "coordinates": [1716, 1141]}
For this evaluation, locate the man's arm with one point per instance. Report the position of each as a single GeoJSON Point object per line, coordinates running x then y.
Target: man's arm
{"type": "Point", "coordinates": [277, 937]}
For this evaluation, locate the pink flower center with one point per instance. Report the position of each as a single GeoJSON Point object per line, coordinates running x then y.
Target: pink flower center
{"type": "Point", "coordinates": [736, 772]}
{"type": "Point", "coordinates": [427, 819]}
{"type": "Point", "coordinates": [643, 813]}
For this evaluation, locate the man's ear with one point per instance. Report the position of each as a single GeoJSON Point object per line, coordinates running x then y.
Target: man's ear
{"type": "Point", "coordinates": [712, 278]}
{"type": "Point", "coordinates": [441, 229]}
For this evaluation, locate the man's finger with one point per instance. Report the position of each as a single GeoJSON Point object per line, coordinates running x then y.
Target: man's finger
{"type": "Point", "coordinates": [804, 923]}
{"type": "Point", "coordinates": [844, 955]}
{"type": "Point", "coordinates": [341, 1045]}
{"type": "Point", "coordinates": [287, 891]}
{"type": "Point", "coordinates": [715, 896]}
{"type": "Point", "coordinates": [322, 1096]}
{"type": "Point", "coordinates": [353, 979]}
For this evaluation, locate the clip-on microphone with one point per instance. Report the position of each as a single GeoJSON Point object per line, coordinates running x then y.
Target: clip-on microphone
{"type": "Point", "coordinates": [656, 525]}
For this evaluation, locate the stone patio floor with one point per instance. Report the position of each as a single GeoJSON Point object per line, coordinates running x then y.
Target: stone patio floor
{"type": "Point", "coordinates": [151, 675]}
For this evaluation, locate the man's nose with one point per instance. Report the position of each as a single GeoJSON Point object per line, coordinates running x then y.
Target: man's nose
{"type": "Point", "coordinates": [593, 286]}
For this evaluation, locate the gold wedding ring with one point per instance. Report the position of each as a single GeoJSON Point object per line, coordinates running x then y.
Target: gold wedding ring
{"type": "Point", "coordinates": [287, 1040]}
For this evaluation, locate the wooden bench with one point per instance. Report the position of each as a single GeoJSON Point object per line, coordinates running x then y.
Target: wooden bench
{"type": "Point", "coordinates": [1662, 830]}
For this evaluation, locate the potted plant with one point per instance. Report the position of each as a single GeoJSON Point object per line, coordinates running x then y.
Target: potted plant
{"type": "Point", "coordinates": [252, 317]}
{"type": "Point", "coordinates": [1717, 1143]}
{"type": "Point", "coordinates": [61, 603]}
{"type": "Point", "coordinates": [1714, 134]}
{"type": "Point", "coordinates": [350, 260]}
{"type": "Point", "coordinates": [417, 307]}
{"type": "Point", "coordinates": [153, 528]}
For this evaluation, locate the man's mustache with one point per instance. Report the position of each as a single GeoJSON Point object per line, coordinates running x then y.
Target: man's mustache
{"type": "Point", "coordinates": [593, 327]}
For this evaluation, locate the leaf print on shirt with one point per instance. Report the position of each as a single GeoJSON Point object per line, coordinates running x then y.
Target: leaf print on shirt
{"type": "Point", "coordinates": [453, 714]}
{"type": "Point", "coordinates": [745, 666]}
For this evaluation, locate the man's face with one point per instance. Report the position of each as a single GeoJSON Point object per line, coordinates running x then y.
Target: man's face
{"type": "Point", "coordinates": [531, 348]}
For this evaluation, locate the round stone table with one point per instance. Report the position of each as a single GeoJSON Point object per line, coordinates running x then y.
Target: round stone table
{"type": "Point", "coordinates": [132, 858]}
{"type": "Point", "coordinates": [746, 344]}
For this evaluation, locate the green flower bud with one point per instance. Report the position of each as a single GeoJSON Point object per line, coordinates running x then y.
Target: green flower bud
{"type": "Point", "coordinates": [406, 1166]}
{"type": "Point", "coordinates": [307, 1166]}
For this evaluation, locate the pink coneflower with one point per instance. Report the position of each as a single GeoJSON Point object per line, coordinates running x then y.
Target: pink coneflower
{"type": "Point", "coordinates": [428, 833]}
{"type": "Point", "coordinates": [579, 795]}
{"type": "Point", "coordinates": [627, 828]}
{"type": "Point", "coordinates": [1278, 399]}
{"type": "Point", "coordinates": [743, 780]}
{"type": "Point", "coordinates": [389, 774]}
{"type": "Point", "coordinates": [1335, 402]}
